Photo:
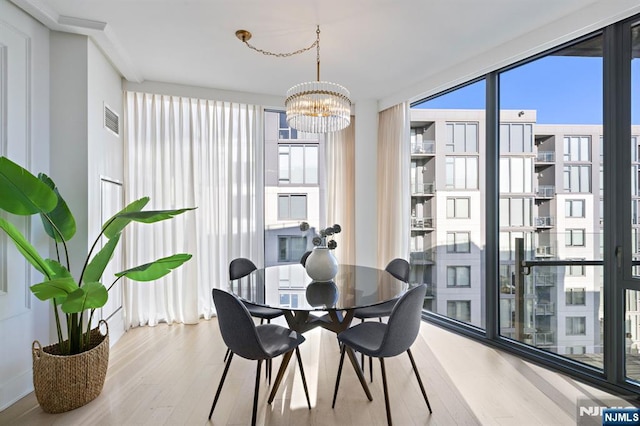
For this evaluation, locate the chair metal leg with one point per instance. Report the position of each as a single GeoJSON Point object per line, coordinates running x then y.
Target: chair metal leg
{"type": "Point", "coordinates": [226, 354]}
{"type": "Point", "coordinates": [267, 371]}
{"type": "Point", "coordinates": [371, 369]}
{"type": "Point", "coordinates": [335, 392]}
{"type": "Point", "coordinates": [224, 375]}
{"type": "Point", "coordinates": [386, 391]}
{"type": "Point", "coordinates": [283, 367]}
{"type": "Point", "coordinates": [356, 367]}
{"type": "Point", "coordinates": [304, 379]}
{"type": "Point", "coordinates": [415, 370]}
{"type": "Point", "coordinates": [255, 394]}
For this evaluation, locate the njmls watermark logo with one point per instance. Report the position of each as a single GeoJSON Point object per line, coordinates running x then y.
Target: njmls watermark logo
{"type": "Point", "coordinates": [606, 412]}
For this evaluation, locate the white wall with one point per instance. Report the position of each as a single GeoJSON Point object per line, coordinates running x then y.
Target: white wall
{"type": "Point", "coordinates": [24, 136]}
{"type": "Point", "coordinates": [55, 128]}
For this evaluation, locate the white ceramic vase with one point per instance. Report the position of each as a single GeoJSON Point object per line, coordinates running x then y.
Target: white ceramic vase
{"type": "Point", "coordinates": [321, 264]}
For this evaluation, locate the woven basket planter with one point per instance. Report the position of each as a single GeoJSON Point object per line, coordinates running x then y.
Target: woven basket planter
{"type": "Point", "coordinates": [65, 382]}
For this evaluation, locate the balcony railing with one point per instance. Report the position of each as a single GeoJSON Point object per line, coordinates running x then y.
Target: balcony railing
{"type": "Point", "coordinates": [545, 309]}
{"type": "Point", "coordinates": [422, 188]}
{"type": "Point", "coordinates": [544, 222]}
{"type": "Point", "coordinates": [422, 257]}
{"type": "Point", "coordinates": [546, 157]}
{"type": "Point", "coordinates": [424, 147]}
{"type": "Point", "coordinates": [545, 280]}
{"type": "Point", "coordinates": [421, 223]}
{"type": "Point", "coordinates": [544, 251]}
{"type": "Point", "coordinates": [545, 191]}
{"type": "Point", "coordinates": [543, 339]}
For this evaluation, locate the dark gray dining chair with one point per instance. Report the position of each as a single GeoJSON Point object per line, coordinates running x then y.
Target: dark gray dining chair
{"type": "Point", "coordinates": [241, 267]}
{"type": "Point", "coordinates": [375, 339]}
{"type": "Point", "coordinates": [303, 259]}
{"type": "Point", "coordinates": [260, 343]}
{"type": "Point", "coordinates": [400, 269]}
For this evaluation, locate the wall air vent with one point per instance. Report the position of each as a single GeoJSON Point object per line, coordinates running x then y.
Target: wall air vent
{"type": "Point", "coordinates": [111, 121]}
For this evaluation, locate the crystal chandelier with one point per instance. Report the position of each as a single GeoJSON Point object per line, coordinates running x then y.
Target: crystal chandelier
{"type": "Point", "coordinates": [316, 106]}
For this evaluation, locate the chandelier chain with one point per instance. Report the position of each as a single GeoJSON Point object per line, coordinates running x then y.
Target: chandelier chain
{"type": "Point", "coordinates": [288, 54]}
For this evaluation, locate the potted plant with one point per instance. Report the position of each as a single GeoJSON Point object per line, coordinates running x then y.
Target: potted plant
{"type": "Point", "coordinates": [71, 372]}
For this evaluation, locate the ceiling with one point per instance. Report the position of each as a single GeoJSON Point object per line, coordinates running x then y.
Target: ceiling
{"type": "Point", "coordinates": [385, 50]}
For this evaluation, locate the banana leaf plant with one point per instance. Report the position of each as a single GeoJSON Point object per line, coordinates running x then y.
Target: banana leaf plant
{"type": "Point", "coordinates": [75, 300]}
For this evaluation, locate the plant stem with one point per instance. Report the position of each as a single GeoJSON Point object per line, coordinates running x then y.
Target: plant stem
{"type": "Point", "coordinates": [58, 327]}
{"type": "Point", "coordinates": [114, 283]}
{"type": "Point", "coordinates": [64, 244]}
{"type": "Point", "coordinates": [95, 243]}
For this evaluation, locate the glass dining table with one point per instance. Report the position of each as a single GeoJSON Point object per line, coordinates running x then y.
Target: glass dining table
{"type": "Point", "coordinates": [308, 304]}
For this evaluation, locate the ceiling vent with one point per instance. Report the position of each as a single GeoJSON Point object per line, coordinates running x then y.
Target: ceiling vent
{"type": "Point", "coordinates": [111, 121]}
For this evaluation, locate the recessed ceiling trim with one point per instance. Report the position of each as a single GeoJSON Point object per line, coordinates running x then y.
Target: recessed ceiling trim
{"type": "Point", "coordinates": [100, 33]}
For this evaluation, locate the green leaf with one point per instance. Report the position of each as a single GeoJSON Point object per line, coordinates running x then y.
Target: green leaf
{"type": "Point", "coordinates": [28, 251]}
{"type": "Point", "coordinates": [96, 267]}
{"type": "Point", "coordinates": [21, 193]}
{"type": "Point", "coordinates": [151, 216]}
{"type": "Point", "coordinates": [59, 288]}
{"type": "Point", "coordinates": [59, 270]}
{"type": "Point", "coordinates": [61, 216]}
{"type": "Point", "coordinates": [116, 224]}
{"type": "Point", "coordinates": [90, 296]}
{"type": "Point", "coordinates": [154, 270]}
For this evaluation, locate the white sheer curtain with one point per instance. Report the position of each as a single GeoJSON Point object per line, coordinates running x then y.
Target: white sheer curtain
{"type": "Point", "coordinates": [184, 152]}
{"type": "Point", "coordinates": [340, 165]}
{"type": "Point", "coordinates": [393, 184]}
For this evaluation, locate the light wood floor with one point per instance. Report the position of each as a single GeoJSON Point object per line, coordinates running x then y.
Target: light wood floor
{"type": "Point", "coordinates": [167, 375]}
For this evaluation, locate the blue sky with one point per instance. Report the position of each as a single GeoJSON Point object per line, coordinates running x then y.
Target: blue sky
{"type": "Point", "coordinates": [563, 90]}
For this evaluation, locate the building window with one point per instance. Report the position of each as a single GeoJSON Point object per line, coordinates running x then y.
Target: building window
{"type": "Point", "coordinates": [577, 178]}
{"type": "Point", "coordinates": [298, 164]}
{"type": "Point", "coordinates": [458, 276]}
{"type": "Point", "coordinates": [577, 148]}
{"type": "Point", "coordinates": [459, 309]}
{"type": "Point", "coordinates": [574, 238]}
{"type": "Point", "coordinates": [575, 296]}
{"type": "Point", "coordinates": [458, 208]}
{"type": "Point", "coordinates": [461, 172]}
{"type": "Point", "coordinates": [284, 131]}
{"type": "Point", "coordinates": [516, 175]}
{"type": "Point", "coordinates": [288, 300]}
{"type": "Point", "coordinates": [576, 270]}
{"type": "Point", "coordinates": [462, 137]}
{"type": "Point", "coordinates": [515, 211]}
{"type": "Point", "coordinates": [458, 242]}
{"type": "Point", "coordinates": [292, 206]}
{"type": "Point", "coordinates": [291, 248]}
{"type": "Point", "coordinates": [576, 326]}
{"type": "Point", "coordinates": [574, 208]}
{"type": "Point", "coordinates": [516, 137]}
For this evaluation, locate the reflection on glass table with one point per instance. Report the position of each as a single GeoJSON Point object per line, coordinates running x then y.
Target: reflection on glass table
{"type": "Point", "coordinates": [288, 287]}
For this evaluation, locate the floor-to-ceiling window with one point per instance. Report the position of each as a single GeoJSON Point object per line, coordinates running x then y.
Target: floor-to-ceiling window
{"type": "Point", "coordinates": [447, 202]}
{"type": "Point", "coordinates": [557, 100]}
{"type": "Point", "coordinates": [632, 299]}
{"type": "Point", "coordinates": [562, 285]}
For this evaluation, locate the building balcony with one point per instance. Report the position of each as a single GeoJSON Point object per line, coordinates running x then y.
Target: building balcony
{"type": "Point", "coordinates": [544, 222]}
{"type": "Point", "coordinates": [545, 191]}
{"type": "Point", "coordinates": [545, 309]}
{"type": "Point", "coordinates": [545, 280]}
{"type": "Point", "coordinates": [546, 157]}
{"type": "Point", "coordinates": [545, 251]}
{"type": "Point", "coordinates": [422, 189]}
{"type": "Point", "coordinates": [546, 338]}
{"type": "Point", "coordinates": [423, 148]}
{"type": "Point", "coordinates": [422, 257]}
{"type": "Point", "coordinates": [422, 224]}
